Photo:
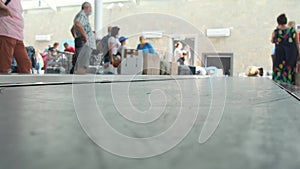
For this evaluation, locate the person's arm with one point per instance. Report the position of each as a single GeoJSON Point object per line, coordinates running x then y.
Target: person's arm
{"type": "Point", "coordinates": [111, 46]}
{"type": "Point", "coordinates": [273, 36]}
{"type": "Point", "coordinates": [150, 47]}
{"type": "Point", "coordinates": [72, 31]}
{"type": "Point", "coordinates": [188, 55]}
{"type": "Point", "coordinates": [297, 43]}
{"type": "Point", "coordinates": [81, 30]}
{"type": "Point", "coordinates": [4, 11]}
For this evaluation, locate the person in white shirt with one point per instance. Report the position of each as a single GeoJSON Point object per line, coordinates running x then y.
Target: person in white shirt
{"type": "Point", "coordinates": [178, 53]}
{"type": "Point", "coordinates": [113, 44]}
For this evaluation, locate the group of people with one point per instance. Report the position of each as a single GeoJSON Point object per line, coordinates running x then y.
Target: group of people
{"type": "Point", "coordinates": [40, 59]}
{"type": "Point", "coordinates": [12, 45]}
{"type": "Point", "coordinates": [54, 54]}
{"type": "Point", "coordinates": [111, 45]}
{"type": "Point", "coordinates": [284, 37]}
{"type": "Point", "coordinates": [12, 48]}
{"type": "Point", "coordinates": [36, 59]}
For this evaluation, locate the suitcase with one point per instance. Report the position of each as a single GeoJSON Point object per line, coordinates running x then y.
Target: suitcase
{"type": "Point", "coordinates": [193, 69]}
{"type": "Point", "coordinates": [184, 70]}
{"type": "Point", "coordinates": [173, 68]}
{"type": "Point", "coordinates": [132, 62]}
{"type": "Point", "coordinates": [55, 67]}
{"type": "Point", "coordinates": [151, 65]}
{"type": "Point", "coordinates": [165, 67]}
{"type": "Point", "coordinates": [55, 70]}
{"type": "Point", "coordinates": [168, 68]}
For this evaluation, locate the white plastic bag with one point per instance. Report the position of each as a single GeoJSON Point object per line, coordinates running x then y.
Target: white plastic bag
{"type": "Point", "coordinates": [108, 69]}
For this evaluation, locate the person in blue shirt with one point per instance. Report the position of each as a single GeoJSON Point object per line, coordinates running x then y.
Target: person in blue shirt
{"type": "Point", "coordinates": [146, 47]}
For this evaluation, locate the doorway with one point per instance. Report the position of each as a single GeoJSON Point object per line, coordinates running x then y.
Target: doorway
{"type": "Point", "coordinates": [186, 40]}
{"type": "Point", "coordinates": [222, 61]}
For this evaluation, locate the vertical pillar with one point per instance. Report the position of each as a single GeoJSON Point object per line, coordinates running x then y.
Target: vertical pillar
{"type": "Point", "coordinates": [98, 17]}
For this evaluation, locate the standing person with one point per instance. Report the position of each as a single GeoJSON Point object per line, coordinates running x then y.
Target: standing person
{"type": "Point", "coordinates": [84, 38]}
{"type": "Point", "coordinates": [178, 53]}
{"type": "Point", "coordinates": [186, 54]}
{"type": "Point", "coordinates": [31, 53]}
{"type": "Point", "coordinates": [113, 44]}
{"type": "Point", "coordinates": [104, 43]}
{"type": "Point", "coordinates": [39, 62]}
{"type": "Point", "coordinates": [286, 51]}
{"type": "Point", "coordinates": [71, 50]}
{"type": "Point", "coordinates": [123, 41]}
{"type": "Point", "coordinates": [146, 47]}
{"type": "Point", "coordinates": [11, 37]}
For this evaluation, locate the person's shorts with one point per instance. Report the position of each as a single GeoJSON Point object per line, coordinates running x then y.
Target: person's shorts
{"type": "Point", "coordinates": [83, 60]}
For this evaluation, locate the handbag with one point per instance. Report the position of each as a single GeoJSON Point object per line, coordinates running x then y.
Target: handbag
{"type": "Point", "coordinates": [117, 59]}
{"type": "Point", "coordinates": [78, 42]}
{"type": "Point", "coordinates": [108, 69]}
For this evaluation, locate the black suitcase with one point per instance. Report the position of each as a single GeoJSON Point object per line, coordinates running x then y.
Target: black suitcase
{"type": "Point", "coordinates": [193, 69]}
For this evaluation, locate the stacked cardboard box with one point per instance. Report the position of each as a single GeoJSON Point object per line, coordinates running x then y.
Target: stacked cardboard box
{"type": "Point", "coordinates": [151, 65]}
{"type": "Point", "coordinates": [132, 62]}
{"type": "Point", "coordinates": [174, 68]}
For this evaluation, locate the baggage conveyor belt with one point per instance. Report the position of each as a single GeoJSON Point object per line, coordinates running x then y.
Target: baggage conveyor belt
{"type": "Point", "coordinates": [47, 122]}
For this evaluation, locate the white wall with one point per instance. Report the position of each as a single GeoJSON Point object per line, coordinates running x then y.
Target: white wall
{"type": "Point", "coordinates": [252, 23]}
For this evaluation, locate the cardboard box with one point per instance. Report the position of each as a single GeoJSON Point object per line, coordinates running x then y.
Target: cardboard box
{"type": "Point", "coordinates": [173, 68]}
{"type": "Point", "coordinates": [151, 65]}
{"type": "Point", "coordinates": [132, 62]}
